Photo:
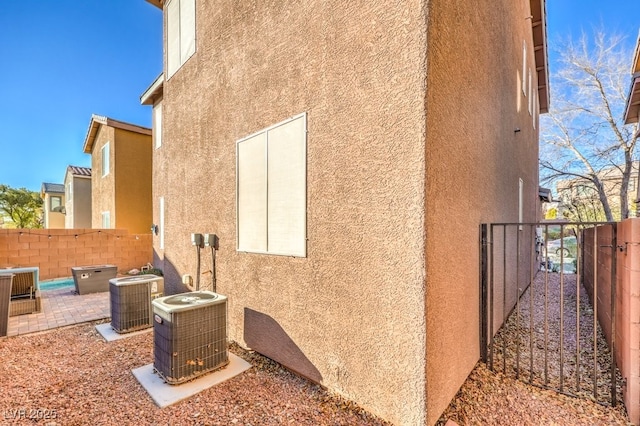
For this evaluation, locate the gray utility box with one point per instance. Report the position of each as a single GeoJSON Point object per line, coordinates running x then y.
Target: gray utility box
{"type": "Point", "coordinates": [189, 335]}
{"type": "Point", "coordinates": [131, 301]}
{"type": "Point", "coordinates": [93, 279]}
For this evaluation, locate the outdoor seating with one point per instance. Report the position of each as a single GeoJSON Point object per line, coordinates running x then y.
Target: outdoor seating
{"type": "Point", "coordinates": [25, 297]}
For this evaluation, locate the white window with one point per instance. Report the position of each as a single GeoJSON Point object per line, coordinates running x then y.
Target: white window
{"type": "Point", "coordinates": [536, 108]}
{"type": "Point", "coordinates": [157, 125]}
{"type": "Point", "coordinates": [271, 189]}
{"type": "Point", "coordinates": [56, 203]}
{"type": "Point", "coordinates": [520, 200]}
{"type": "Point", "coordinates": [105, 159]}
{"type": "Point", "coordinates": [106, 220]}
{"type": "Point", "coordinates": [530, 90]}
{"type": "Point", "coordinates": [524, 68]}
{"type": "Point", "coordinates": [181, 33]}
{"type": "Point", "coordinates": [161, 220]}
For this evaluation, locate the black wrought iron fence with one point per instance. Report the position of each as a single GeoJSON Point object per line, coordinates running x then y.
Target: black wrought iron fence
{"type": "Point", "coordinates": [541, 287]}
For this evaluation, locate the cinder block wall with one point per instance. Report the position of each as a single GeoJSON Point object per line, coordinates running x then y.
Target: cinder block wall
{"type": "Point", "coordinates": [627, 304]}
{"type": "Point", "coordinates": [55, 251]}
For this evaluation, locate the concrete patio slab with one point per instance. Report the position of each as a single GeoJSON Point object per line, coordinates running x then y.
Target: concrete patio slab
{"type": "Point", "coordinates": [164, 394]}
{"type": "Point", "coordinates": [109, 334]}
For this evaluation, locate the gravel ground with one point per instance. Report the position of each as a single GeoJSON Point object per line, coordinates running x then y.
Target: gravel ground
{"type": "Point", "coordinates": [490, 398]}
{"type": "Point", "coordinates": [71, 376]}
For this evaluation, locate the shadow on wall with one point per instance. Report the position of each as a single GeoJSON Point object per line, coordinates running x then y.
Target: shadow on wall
{"type": "Point", "coordinates": [264, 335]}
{"type": "Point", "coordinates": [172, 278]}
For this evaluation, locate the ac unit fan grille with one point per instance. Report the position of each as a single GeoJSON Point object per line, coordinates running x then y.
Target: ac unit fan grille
{"type": "Point", "coordinates": [130, 307]}
{"type": "Point", "coordinates": [192, 343]}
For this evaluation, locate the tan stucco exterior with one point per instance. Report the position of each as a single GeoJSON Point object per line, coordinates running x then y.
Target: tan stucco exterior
{"type": "Point", "coordinates": [417, 132]}
{"type": "Point", "coordinates": [77, 183]}
{"type": "Point", "coordinates": [53, 218]}
{"type": "Point", "coordinates": [124, 190]}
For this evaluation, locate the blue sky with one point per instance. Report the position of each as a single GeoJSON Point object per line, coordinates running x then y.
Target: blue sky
{"type": "Point", "coordinates": [64, 60]}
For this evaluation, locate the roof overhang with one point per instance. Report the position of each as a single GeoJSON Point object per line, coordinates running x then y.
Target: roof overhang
{"type": "Point", "coordinates": [153, 92]}
{"type": "Point", "coordinates": [98, 120]}
{"type": "Point", "coordinates": [539, 29]}
{"type": "Point", "coordinates": [156, 3]}
{"type": "Point", "coordinates": [544, 194]}
{"type": "Point", "coordinates": [632, 109]}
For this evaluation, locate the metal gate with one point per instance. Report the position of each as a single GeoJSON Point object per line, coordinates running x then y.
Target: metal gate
{"type": "Point", "coordinates": [547, 306]}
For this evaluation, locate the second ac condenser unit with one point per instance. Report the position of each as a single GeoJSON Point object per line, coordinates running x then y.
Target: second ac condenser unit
{"type": "Point", "coordinates": [131, 301]}
{"type": "Point", "coordinates": [189, 335]}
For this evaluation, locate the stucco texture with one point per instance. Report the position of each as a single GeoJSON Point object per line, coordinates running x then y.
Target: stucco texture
{"type": "Point", "coordinates": [351, 314]}
{"type": "Point", "coordinates": [474, 160]}
{"type": "Point", "coordinates": [126, 190]}
{"type": "Point", "coordinates": [411, 112]}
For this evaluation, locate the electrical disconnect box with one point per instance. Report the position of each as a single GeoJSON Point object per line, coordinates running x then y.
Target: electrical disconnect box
{"type": "Point", "coordinates": [197, 240]}
{"type": "Point", "coordinates": [211, 240]}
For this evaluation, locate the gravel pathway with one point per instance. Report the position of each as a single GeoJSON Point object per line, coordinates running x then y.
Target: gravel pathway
{"type": "Point", "coordinates": [498, 398]}
{"type": "Point", "coordinates": [71, 376]}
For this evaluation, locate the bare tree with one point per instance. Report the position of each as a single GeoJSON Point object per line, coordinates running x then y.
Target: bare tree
{"type": "Point", "coordinates": [584, 137]}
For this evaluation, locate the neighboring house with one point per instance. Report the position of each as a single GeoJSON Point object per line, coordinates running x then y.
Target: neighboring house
{"type": "Point", "coordinates": [121, 182]}
{"type": "Point", "coordinates": [345, 154]}
{"type": "Point", "coordinates": [77, 189]}
{"type": "Point", "coordinates": [577, 192]}
{"type": "Point", "coordinates": [53, 205]}
{"type": "Point", "coordinates": [632, 110]}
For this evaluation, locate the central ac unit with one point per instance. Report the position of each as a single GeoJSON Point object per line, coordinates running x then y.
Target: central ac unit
{"type": "Point", "coordinates": [189, 335]}
{"type": "Point", "coordinates": [131, 301]}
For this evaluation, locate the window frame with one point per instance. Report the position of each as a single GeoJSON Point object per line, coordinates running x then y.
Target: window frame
{"type": "Point", "coordinates": [298, 246]}
{"type": "Point", "coordinates": [51, 198]}
{"type": "Point", "coordinates": [106, 215]}
{"type": "Point", "coordinates": [105, 152]}
{"type": "Point", "coordinates": [185, 39]}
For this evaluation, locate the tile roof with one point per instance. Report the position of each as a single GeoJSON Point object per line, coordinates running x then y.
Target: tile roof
{"type": "Point", "coordinates": [53, 187]}
{"type": "Point", "coordinates": [79, 171]}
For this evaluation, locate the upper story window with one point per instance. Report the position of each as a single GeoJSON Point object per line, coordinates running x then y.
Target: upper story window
{"type": "Point", "coordinates": [55, 203]}
{"type": "Point", "coordinates": [157, 125]}
{"type": "Point", "coordinates": [105, 159]}
{"type": "Point", "coordinates": [524, 68]}
{"type": "Point", "coordinates": [181, 33]}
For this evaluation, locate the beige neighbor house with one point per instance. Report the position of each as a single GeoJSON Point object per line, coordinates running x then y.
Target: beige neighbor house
{"type": "Point", "coordinates": [121, 183]}
{"type": "Point", "coordinates": [578, 194]}
{"type": "Point", "coordinates": [345, 154]}
{"type": "Point", "coordinates": [52, 195]}
{"type": "Point", "coordinates": [77, 189]}
{"type": "Point", "coordinates": [632, 110]}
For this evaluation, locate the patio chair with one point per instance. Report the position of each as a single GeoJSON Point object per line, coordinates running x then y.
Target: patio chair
{"type": "Point", "coordinates": [25, 299]}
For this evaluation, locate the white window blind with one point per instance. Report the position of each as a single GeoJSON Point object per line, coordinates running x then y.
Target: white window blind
{"type": "Point", "coordinates": [252, 193]}
{"type": "Point", "coordinates": [161, 220]}
{"type": "Point", "coordinates": [181, 33]}
{"type": "Point", "coordinates": [271, 185]}
{"type": "Point", "coordinates": [105, 159]}
{"type": "Point", "coordinates": [106, 220]}
{"type": "Point", "coordinates": [157, 125]}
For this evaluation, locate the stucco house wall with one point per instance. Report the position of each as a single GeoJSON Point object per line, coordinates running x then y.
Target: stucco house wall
{"type": "Point", "coordinates": [411, 143]}
{"type": "Point", "coordinates": [124, 190]}
{"type": "Point", "coordinates": [481, 140]}
{"type": "Point", "coordinates": [52, 219]}
{"type": "Point", "coordinates": [132, 172]}
{"type": "Point", "coordinates": [103, 197]}
{"type": "Point", "coordinates": [77, 184]}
